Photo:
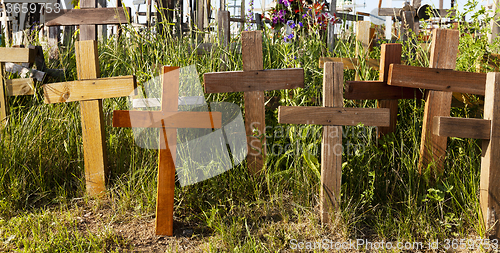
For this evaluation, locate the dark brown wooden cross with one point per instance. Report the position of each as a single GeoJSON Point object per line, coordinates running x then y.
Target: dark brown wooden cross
{"type": "Point", "coordinates": [387, 96]}
{"type": "Point", "coordinates": [88, 68]}
{"type": "Point", "coordinates": [332, 116]}
{"type": "Point", "coordinates": [487, 129]}
{"type": "Point", "coordinates": [438, 79]}
{"type": "Point", "coordinates": [168, 120]}
{"type": "Point", "coordinates": [253, 81]}
{"type": "Point", "coordinates": [13, 87]}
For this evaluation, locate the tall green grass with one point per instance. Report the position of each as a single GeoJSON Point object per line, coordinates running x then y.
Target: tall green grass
{"type": "Point", "coordinates": [383, 195]}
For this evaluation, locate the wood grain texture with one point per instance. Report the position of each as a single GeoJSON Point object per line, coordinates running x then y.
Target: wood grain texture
{"type": "Point", "coordinates": [489, 190]}
{"type": "Point", "coordinates": [363, 40]}
{"type": "Point", "coordinates": [363, 90]}
{"type": "Point", "coordinates": [389, 54]}
{"type": "Point", "coordinates": [4, 109]}
{"type": "Point", "coordinates": [89, 89]}
{"type": "Point", "coordinates": [172, 120]}
{"type": "Point", "coordinates": [329, 116]}
{"type": "Point", "coordinates": [255, 124]}
{"type": "Point", "coordinates": [13, 54]}
{"type": "Point", "coordinates": [94, 142]}
{"type": "Point", "coordinates": [331, 145]}
{"type": "Point", "coordinates": [88, 32]}
{"type": "Point", "coordinates": [444, 49]}
{"type": "Point", "coordinates": [98, 16]}
{"type": "Point", "coordinates": [437, 79]}
{"type": "Point", "coordinates": [350, 63]}
{"type": "Point", "coordinates": [19, 87]}
{"type": "Point", "coordinates": [261, 80]}
{"type": "Point", "coordinates": [461, 127]}
{"type": "Point", "coordinates": [166, 156]}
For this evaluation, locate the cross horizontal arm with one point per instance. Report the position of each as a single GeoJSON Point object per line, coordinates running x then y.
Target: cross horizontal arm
{"type": "Point", "coordinates": [92, 16]}
{"type": "Point", "coordinates": [331, 116]}
{"type": "Point", "coordinates": [462, 127]}
{"type": "Point", "coordinates": [157, 119]}
{"type": "Point", "coordinates": [19, 87]}
{"type": "Point", "coordinates": [378, 90]}
{"type": "Point", "coordinates": [349, 63]}
{"type": "Point", "coordinates": [258, 80]}
{"type": "Point", "coordinates": [13, 54]}
{"type": "Point", "coordinates": [437, 79]}
{"type": "Point", "coordinates": [396, 11]}
{"type": "Point", "coordinates": [120, 86]}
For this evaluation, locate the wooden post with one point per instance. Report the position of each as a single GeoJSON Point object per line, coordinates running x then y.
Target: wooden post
{"type": "Point", "coordinates": [331, 26]}
{"type": "Point", "coordinates": [168, 120]}
{"type": "Point", "coordinates": [495, 27]}
{"type": "Point", "coordinates": [88, 68]}
{"type": "Point", "coordinates": [254, 81]}
{"type": "Point", "coordinates": [363, 40]}
{"type": "Point", "coordinates": [332, 115]}
{"type": "Point", "coordinates": [223, 28]}
{"type": "Point", "coordinates": [21, 86]}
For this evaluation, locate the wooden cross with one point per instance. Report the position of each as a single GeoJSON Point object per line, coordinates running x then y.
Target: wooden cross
{"type": "Point", "coordinates": [13, 87]}
{"type": "Point", "coordinates": [88, 68]}
{"type": "Point", "coordinates": [168, 119]}
{"type": "Point", "coordinates": [387, 96]}
{"type": "Point", "coordinates": [90, 90]}
{"type": "Point", "coordinates": [332, 116]}
{"type": "Point", "coordinates": [438, 79]}
{"type": "Point", "coordinates": [487, 129]}
{"type": "Point", "coordinates": [253, 80]}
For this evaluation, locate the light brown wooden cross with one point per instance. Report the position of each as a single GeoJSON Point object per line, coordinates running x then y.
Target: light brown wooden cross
{"type": "Point", "coordinates": [253, 81]}
{"type": "Point", "coordinates": [439, 79]}
{"type": "Point", "coordinates": [88, 68]}
{"type": "Point", "coordinates": [332, 116]}
{"type": "Point", "coordinates": [168, 119]}
{"type": "Point", "coordinates": [387, 96]}
{"type": "Point", "coordinates": [15, 87]}
{"type": "Point", "coordinates": [487, 129]}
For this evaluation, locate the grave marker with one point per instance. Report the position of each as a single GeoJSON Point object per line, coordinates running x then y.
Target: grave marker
{"type": "Point", "coordinates": [168, 119]}
{"type": "Point", "coordinates": [387, 96]}
{"type": "Point", "coordinates": [253, 80]}
{"type": "Point", "coordinates": [88, 68]}
{"type": "Point", "coordinates": [90, 90]}
{"type": "Point", "coordinates": [14, 87]}
{"type": "Point", "coordinates": [487, 129]}
{"type": "Point", "coordinates": [332, 116]}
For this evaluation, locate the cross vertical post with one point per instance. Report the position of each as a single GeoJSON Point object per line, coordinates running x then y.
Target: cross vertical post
{"type": "Point", "coordinates": [333, 116]}
{"type": "Point", "coordinates": [253, 81]}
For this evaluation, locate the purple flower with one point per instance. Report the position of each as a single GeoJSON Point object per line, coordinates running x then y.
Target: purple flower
{"type": "Point", "coordinates": [291, 24]}
{"type": "Point", "coordinates": [301, 25]}
{"type": "Point", "coordinates": [304, 16]}
{"type": "Point", "coordinates": [289, 37]}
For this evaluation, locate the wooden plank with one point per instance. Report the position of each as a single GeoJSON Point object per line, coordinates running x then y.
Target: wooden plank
{"type": "Point", "coordinates": [257, 80]}
{"type": "Point", "coordinates": [4, 109]}
{"type": "Point", "coordinates": [166, 156]}
{"type": "Point", "coordinates": [489, 189]}
{"type": "Point", "coordinates": [363, 90]}
{"type": "Point", "coordinates": [329, 116]}
{"type": "Point", "coordinates": [169, 120]}
{"type": "Point", "coordinates": [94, 142]}
{"type": "Point", "coordinates": [19, 87]}
{"type": "Point", "coordinates": [461, 127]}
{"type": "Point", "coordinates": [363, 40]}
{"type": "Point", "coordinates": [255, 118]}
{"type": "Point", "coordinates": [444, 49]}
{"type": "Point", "coordinates": [331, 145]}
{"type": "Point", "coordinates": [15, 54]}
{"type": "Point", "coordinates": [437, 79]}
{"type": "Point", "coordinates": [97, 16]}
{"type": "Point", "coordinates": [349, 63]}
{"type": "Point", "coordinates": [395, 12]}
{"type": "Point", "coordinates": [89, 89]}
{"type": "Point", "coordinates": [389, 54]}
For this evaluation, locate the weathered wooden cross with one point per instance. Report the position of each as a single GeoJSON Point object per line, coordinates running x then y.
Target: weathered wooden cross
{"type": "Point", "coordinates": [487, 129]}
{"type": "Point", "coordinates": [168, 120]}
{"type": "Point", "coordinates": [15, 87]}
{"type": "Point", "coordinates": [387, 96]}
{"type": "Point", "coordinates": [88, 71]}
{"type": "Point", "coordinates": [253, 81]}
{"type": "Point", "coordinates": [90, 90]}
{"type": "Point", "coordinates": [332, 116]}
{"type": "Point", "coordinates": [438, 79]}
